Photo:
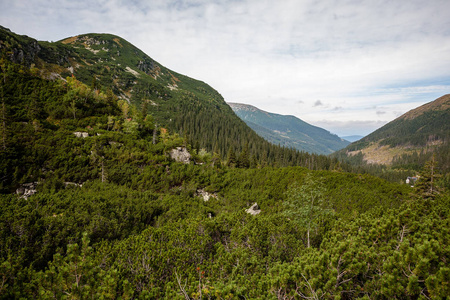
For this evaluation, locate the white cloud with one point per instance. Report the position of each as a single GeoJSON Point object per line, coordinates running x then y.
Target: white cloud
{"type": "Point", "coordinates": [280, 56]}
{"type": "Point", "coordinates": [318, 103]}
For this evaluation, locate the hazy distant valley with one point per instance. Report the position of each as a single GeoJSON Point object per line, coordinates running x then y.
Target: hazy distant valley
{"type": "Point", "coordinates": [288, 131]}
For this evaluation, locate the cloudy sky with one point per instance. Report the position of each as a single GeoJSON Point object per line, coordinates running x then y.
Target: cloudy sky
{"type": "Point", "coordinates": [349, 66]}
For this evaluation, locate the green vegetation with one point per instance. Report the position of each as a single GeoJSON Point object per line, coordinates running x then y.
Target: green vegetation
{"type": "Point", "coordinates": [114, 217]}
{"type": "Point", "coordinates": [288, 131]}
{"type": "Point", "coordinates": [420, 135]}
{"type": "Point", "coordinates": [176, 102]}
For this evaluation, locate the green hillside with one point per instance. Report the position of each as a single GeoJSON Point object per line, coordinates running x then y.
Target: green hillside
{"type": "Point", "coordinates": [288, 131]}
{"type": "Point", "coordinates": [424, 126]}
{"type": "Point", "coordinates": [176, 102]}
{"type": "Point", "coordinates": [112, 216]}
{"type": "Point", "coordinates": [97, 204]}
{"type": "Point", "coordinates": [407, 142]}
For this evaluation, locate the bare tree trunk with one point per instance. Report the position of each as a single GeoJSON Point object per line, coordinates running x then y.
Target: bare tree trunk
{"type": "Point", "coordinates": [74, 109]}
{"type": "Point", "coordinates": [103, 172]}
{"type": "Point", "coordinates": [183, 291]}
{"type": "Point", "coordinates": [3, 124]}
{"type": "Point", "coordinates": [308, 238]}
{"type": "Point", "coordinates": [3, 113]}
{"type": "Point", "coordinates": [154, 134]}
{"type": "Point", "coordinates": [432, 175]}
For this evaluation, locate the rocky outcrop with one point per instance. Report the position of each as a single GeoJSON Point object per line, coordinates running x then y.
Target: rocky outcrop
{"type": "Point", "coordinates": [26, 51]}
{"type": "Point", "coordinates": [205, 195]}
{"type": "Point", "coordinates": [27, 189]}
{"type": "Point", "coordinates": [254, 209]}
{"type": "Point", "coordinates": [25, 55]}
{"type": "Point", "coordinates": [66, 184]}
{"type": "Point", "coordinates": [146, 66]}
{"type": "Point", "coordinates": [115, 144]}
{"type": "Point", "coordinates": [80, 134]}
{"type": "Point", "coordinates": [180, 154]}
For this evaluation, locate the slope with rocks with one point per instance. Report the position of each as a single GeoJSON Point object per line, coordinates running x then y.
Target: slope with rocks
{"type": "Point", "coordinates": [181, 104]}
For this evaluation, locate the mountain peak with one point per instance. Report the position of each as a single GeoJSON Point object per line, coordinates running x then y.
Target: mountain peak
{"type": "Point", "coordinates": [242, 106]}
{"type": "Point", "coordinates": [94, 39]}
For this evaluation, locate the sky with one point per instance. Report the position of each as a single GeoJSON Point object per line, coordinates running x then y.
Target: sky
{"type": "Point", "coordinates": [349, 66]}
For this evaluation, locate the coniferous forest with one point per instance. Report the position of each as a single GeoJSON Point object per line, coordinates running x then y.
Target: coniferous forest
{"type": "Point", "coordinates": [94, 205]}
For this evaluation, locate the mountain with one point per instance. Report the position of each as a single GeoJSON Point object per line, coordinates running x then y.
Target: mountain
{"type": "Point", "coordinates": [421, 131]}
{"type": "Point", "coordinates": [288, 131]}
{"type": "Point", "coordinates": [111, 62]}
{"type": "Point", "coordinates": [98, 201]}
{"type": "Point", "coordinates": [352, 138]}
{"type": "Point", "coordinates": [108, 64]}
{"type": "Point", "coordinates": [183, 105]}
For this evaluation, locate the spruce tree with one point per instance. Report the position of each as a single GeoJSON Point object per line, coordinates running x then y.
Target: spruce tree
{"type": "Point", "coordinates": [231, 158]}
{"type": "Point", "coordinates": [244, 161]}
{"type": "Point", "coordinates": [426, 184]}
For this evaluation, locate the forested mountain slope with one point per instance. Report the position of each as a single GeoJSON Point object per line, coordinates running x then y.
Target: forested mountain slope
{"type": "Point", "coordinates": [176, 102]}
{"type": "Point", "coordinates": [424, 126]}
{"type": "Point", "coordinates": [94, 206]}
{"type": "Point", "coordinates": [114, 217]}
{"type": "Point", "coordinates": [410, 140]}
{"type": "Point", "coordinates": [288, 131]}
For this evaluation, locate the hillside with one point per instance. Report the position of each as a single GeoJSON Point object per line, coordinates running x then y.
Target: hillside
{"type": "Point", "coordinates": [95, 207]}
{"type": "Point", "coordinates": [288, 131]}
{"type": "Point", "coordinates": [176, 102]}
{"type": "Point", "coordinates": [96, 204]}
{"type": "Point", "coordinates": [410, 139]}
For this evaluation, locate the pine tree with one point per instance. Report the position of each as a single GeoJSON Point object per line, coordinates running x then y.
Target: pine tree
{"type": "Point", "coordinates": [144, 108]}
{"type": "Point", "coordinates": [94, 84]}
{"type": "Point", "coordinates": [33, 107]}
{"type": "Point", "coordinates": [426, 184]}
{"type": "Point", "coordinates": [231, 158]}
{"type": "Point", "coordinates": [243, 160]}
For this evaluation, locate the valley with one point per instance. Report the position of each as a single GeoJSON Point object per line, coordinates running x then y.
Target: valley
{"type": "Point", "coordinates": [122, 179]}
{"type": "Point", "coordinates": [288, 131]}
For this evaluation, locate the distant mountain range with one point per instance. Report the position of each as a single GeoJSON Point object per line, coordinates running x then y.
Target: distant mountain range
{"type": "Point", "coordinates": [288, 131]}
{"type": "Point", "coordinates": [352, 138]}
{"type": "Point", "coordinates": [423, 130]}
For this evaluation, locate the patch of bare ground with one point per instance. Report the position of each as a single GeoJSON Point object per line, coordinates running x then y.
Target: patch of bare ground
{"type": "Point", "coordinates": [376, 154]}
{"type": "Point", "coordinates": [70, 40]}
{"type": "Point", "coordinates": [117, 41]}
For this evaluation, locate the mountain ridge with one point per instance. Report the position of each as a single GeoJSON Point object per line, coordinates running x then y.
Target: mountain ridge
{"type": "Point", "coordinates": [420, 131]}
{"type": "Point", "coordinates": [183, 105]}
{"type": "Point", "coordinates": [112, 62]}
{"type": "Point", "coordinates": [288, 130]}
